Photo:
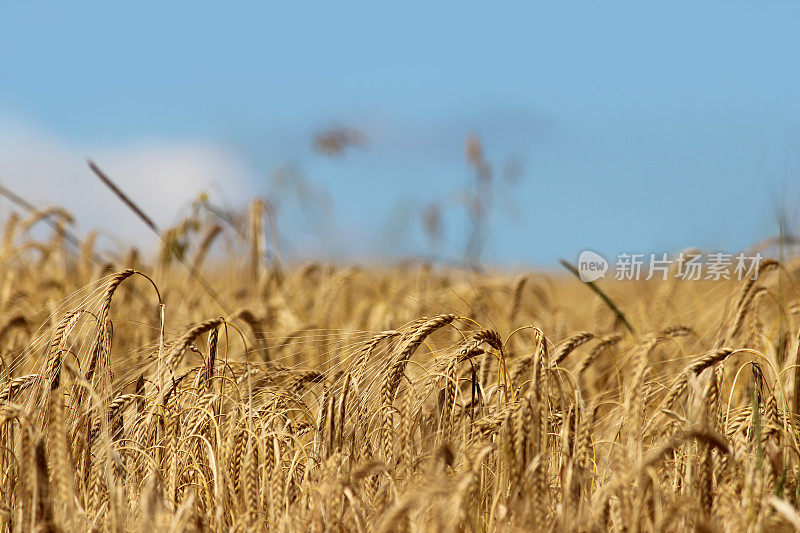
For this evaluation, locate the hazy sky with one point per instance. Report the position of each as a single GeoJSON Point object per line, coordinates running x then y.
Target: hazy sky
{"type": "Point", "coordinates": [641, 126]}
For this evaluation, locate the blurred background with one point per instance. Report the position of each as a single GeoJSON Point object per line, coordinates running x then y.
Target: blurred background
{"type": "Point", "coordinates": [509, 134]}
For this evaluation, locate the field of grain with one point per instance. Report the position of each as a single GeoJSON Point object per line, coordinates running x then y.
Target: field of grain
{"type": "Point", "coordinates": [242, 394]}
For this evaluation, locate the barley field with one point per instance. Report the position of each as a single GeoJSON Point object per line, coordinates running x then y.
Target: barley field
{"type": "Point", "coordinates": [241, 394]}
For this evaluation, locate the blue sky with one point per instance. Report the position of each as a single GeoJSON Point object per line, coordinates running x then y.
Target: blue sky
{"type": "Point", "coordinates": [641, 126]}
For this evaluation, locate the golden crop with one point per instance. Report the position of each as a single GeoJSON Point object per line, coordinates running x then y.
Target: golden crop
{"type": "Point", "coordinates": [408, 398]}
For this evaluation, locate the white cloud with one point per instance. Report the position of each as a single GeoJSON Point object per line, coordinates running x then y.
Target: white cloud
{"type": "Point", "coordinates": [160, 176]}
